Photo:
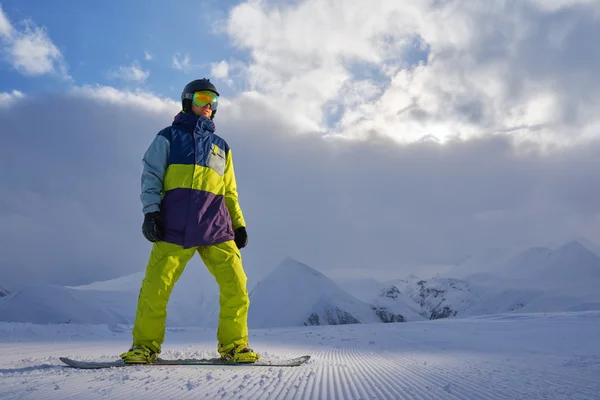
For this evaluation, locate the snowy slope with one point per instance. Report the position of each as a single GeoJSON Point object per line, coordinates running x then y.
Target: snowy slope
{"type": "Point", "coordinates": [127, 283]}
{"type": "Point", "coordinates": [295, 294]}
{"type": "Point", "coordinates": [387, 297]}
{"type": "Point", "coordinates": [448, 297]}
{"type": "Point", "coordinates": [194, 302]}
{"type": "Point", "coordinates": [536, 279]}
{"type": "Point", "coordinates": [569, 266]}
{"type": "Point", "coordinates": [528, 356]}
{"type": "Point", "coordinates": [484, 263]}
{"type": "Point", "coordinates": [44, 304]}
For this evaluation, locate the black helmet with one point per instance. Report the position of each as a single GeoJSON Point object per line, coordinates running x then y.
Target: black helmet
{"type": "Point", "coordinates": [196, 86]}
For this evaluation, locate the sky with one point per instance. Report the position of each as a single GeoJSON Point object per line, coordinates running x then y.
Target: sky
{"type": "Point", "coordinates": [378, 139]}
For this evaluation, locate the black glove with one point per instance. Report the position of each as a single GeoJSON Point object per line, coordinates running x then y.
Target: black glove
{"type": "Point", "coordinates": [241, 237]}
{"type": "Point", "coordinates": [152, 228]}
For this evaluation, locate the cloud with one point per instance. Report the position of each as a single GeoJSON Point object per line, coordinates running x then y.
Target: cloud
{"type": "Point", "coordinates": [72, 193]}
{"type": "Point", "coordinates": [231, 72]}
{"type": "Point", "coordinates": [375, 206]}
{"type": "Point", "coordinates": [430, 131]}
{"type": "Point", "coordinates": [417, 69]}
{"type": "Point", "coordinates": [180, 63]}
{"type": "Point", "coordinates": [6, 29]}
{"type": "Point", "coordinates": [220, 70]}
{"type": "Point", "coordinates": [139, 99]}
{"type": "Point", "coordinates": [555, 5]}
{"type": "Point", "coordinates": [134, 72]}
{"type": "Point", "coordinates": [7, 99]}
{"type": "Point", "coordinates": [30, 50]}
{"type": "Point", "coordinates": [148, 56]}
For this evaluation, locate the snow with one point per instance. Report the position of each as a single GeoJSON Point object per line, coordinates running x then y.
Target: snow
{"type": "Point", "coordinates": [536, 279]}
{"type": "Point", "coordinates": [570, 265]}
{"type": "Point", "coordinates": [526, 356]}
{"type": "Point", "coordinates": [295, 294]}
{"type": "Point", "coordinates": [194, 301]}
{"type": "Point", "coordinates": [511, 323]}
{"type": "Point", "coordinates": [43, 304]}
{"type": "Point", "coordinates": [389, 295]}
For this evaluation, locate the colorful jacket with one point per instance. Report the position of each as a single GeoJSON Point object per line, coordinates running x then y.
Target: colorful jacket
{"type": "Point", "coordinates": [188, 176]}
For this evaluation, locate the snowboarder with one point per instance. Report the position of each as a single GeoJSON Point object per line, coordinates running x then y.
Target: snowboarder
{"type": "Point", "coordinates": [190, 204]}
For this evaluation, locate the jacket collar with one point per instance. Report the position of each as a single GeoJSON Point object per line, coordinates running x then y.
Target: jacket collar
{"type": "Point", "coordinates": [195, 124]}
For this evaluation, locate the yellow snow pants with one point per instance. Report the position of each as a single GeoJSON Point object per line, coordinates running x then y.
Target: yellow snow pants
{"type": "Point", "coordinates": [167, 262]}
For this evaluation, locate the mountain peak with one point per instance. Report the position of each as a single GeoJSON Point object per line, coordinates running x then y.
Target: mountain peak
{"type": "Point", "coordinates": [295, 294]}
{"type": "Point", "coordinates": [292, 266]}
{"type": "Point", "coordinates": [574, 259]}
{"type": "Point", "coordinates": [574, 246]}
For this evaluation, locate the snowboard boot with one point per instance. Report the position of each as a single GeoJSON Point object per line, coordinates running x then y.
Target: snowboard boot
{"type": "Point", "coordinates": [238, 353]}
{"type": "Point", "coordinates": [139, 354]}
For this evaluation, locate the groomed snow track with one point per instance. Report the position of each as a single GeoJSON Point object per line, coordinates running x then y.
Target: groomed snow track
{"type": "Point", "coordinates": [505, 357]}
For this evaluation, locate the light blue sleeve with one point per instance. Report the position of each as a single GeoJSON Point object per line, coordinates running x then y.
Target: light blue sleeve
{"type": "Point", "coordinates": [155, 163]}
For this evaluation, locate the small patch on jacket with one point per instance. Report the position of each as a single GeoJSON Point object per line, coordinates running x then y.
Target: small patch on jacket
{"type": "Point", "coordinates": [216, 160]}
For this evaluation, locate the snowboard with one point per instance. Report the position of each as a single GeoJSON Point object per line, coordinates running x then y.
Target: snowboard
{"type": "Point", "coordinates": [290, 362]}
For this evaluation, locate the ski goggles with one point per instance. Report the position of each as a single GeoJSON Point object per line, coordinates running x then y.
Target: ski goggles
{"type": "Point", "coordinates": [205, 97]}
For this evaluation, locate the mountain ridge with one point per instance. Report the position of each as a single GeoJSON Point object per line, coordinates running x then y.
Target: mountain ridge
{"type": "Point", "coordinates": [534, 279]}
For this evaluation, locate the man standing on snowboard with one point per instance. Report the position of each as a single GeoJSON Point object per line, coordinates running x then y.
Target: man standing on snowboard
{"type": "Point", "coordinates": [190, 205]}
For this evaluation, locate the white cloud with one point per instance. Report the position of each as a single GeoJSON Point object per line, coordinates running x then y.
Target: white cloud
{"type": "Point", "coordinates": [133, 72]}
{"type": "Point", "coordinates": [231, 72]}
{"type": "Point", "coordinates": [149, 102]}
{"type": "Point", "coordinates": [6, 29]}
{"type": "Point", "coordinates": [220, 70]}
{"type": "Point", "coordinates": [183, 64]}
{"type": "Point", "coordinates": [555, 5]}
{"type": "Point", "coordinates": [148, 56]}
{"type": "Point", "coordinates": [31, 51]}
{"type": "Point", "coordinates": [34, 53]}
{"type": "Point", "coordinates": [7, 99]}
{"type": "Point", "coordinates": [413, 69]}
{"type": "Point", "coordinates": [72, 207]}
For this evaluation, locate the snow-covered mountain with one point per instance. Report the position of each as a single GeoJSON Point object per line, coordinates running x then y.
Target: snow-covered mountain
{"type": "Point", "coordinates": [569, 266]}
{"type": "Point", "coordinates": [295, 294]}
{"type": "Point", "coordinates": [194, 302]}
{"type": "Point", "coordinates": [448, 297]}
{"type": "Point", "coordinates": [481, 265]}
{"type": "Point", "coordinates": [292, 295]}
{"type": "Point", "coordinates": [388, 298]}
{"type": "Point", "coordinates": [536, 279]}
{"type": "Point", "coordinates": [44, 304]}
